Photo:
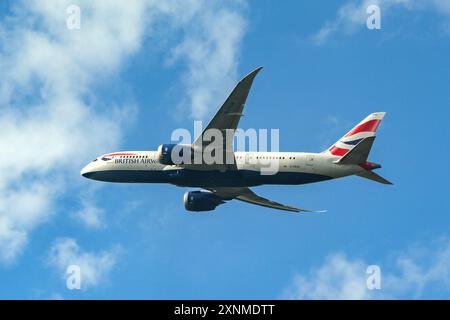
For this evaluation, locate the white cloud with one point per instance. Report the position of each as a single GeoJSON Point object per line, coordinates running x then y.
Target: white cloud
{"type": "Point", "coordinates": [90, 215]}
{"type": "Point", "coordinates": [47, 115]}
{"type": "Point", "coordinates": [337, 278]}
{"type": "Point", "coordinates": [352, 16]}
{"type": "Point", "coordinates": [95, 267]}
{"type": "Point", "coordinates": [422, 270]}
{"type": "Point", "coordinates": [419, 271]}
{"type": "Point", "coordinates": [210, 49]}
{"type": "Point", "coordinates": [45, 121]}
{"type": "Point", "coordinates": [20, 209]}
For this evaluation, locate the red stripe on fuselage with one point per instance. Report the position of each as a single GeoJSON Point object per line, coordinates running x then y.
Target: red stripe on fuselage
{"type": "Point", "coordinates": [369, 126]}
{"type": "Point", "coordinates": [338, 151]}
{"type": "Point", "coordinates": [120, 154]}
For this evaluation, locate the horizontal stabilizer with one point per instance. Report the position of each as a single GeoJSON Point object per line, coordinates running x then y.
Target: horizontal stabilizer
{"type": "Point", "coordinates": [359, 153]}
{"type": "Point", "coordinates": [373, 176]}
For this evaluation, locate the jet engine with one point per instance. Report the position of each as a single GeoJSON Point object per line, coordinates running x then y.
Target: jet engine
{"type": "Point", "coordinates": [170, 154]}
{"type": "Point", "coordinates": [201, 201]}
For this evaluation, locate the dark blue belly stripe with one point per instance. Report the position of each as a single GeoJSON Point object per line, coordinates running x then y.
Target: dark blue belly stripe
{"type": "Point", "coordinates": [197, 178]}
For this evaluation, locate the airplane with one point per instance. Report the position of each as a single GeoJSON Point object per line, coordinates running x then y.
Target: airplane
{"type": "Point", "coordinates": [221, 182]}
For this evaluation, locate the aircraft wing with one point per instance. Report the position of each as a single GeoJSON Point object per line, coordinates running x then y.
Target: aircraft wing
{"type": "Point", "coordinates": [247, 195]}
{"type": "Point", "coordinates": [228, 116]}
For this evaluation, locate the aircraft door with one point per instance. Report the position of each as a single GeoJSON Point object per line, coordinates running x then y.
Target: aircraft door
{"type": "Point", "coordinates": [309, 162]}
{"type": "Point", "coordinates": [247, 159]}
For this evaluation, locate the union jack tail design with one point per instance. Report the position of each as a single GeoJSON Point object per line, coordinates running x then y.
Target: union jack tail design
{"type": "Point", "coordinates": [362, 130]}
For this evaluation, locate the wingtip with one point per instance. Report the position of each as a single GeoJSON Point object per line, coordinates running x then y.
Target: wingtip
{"type": "Point", "coordinates": [251, 75]}
{"type": "Point", "coordinates": [255, 71]}
{"type": "Point", "coordinates": [313, 211]}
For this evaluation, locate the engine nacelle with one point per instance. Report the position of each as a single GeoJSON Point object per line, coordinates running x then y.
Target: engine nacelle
{"type": "Point", "coordinates": [201, 201]}
{"type": "Point", "coordinates": [174, 154]}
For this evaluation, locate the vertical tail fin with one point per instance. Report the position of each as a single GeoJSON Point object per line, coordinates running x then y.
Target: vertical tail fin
{"type": "Point", "coordinates": [361, 131]}
{"type": "Point", "coordinates": [354, 147]}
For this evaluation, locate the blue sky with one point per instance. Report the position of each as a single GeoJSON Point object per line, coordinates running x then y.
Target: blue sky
{"type": "Point", "coordinates": [133, 73]}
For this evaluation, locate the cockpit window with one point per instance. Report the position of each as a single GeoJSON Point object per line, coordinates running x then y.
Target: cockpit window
{"type": "Point", "coordinates": [106, 159]}
{"type": "Point", "coordinates": [94, 160]}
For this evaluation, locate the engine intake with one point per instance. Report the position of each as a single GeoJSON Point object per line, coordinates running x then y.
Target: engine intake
{"type": "Point", "coordinates": [174, 154]}
{"type": "Point", "coordinates": [201, 201]}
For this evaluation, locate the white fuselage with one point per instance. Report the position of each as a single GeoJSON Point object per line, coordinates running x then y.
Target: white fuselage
{"type": "Point", "coordinates": [253, 168]}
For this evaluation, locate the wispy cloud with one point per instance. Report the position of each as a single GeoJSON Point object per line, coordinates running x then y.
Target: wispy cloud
{"type": "Point", "coordinates": [419, 271]}
{"type": "Point", "coordinates": [21, 208]}
{"type": "Point", "coordinates": [95, 267]}
{"type": "Point", "coordinates": [210, 48]}
{"type": "Point", "coordinates": [351, 17]}
{"type": "Point", "coordinates": [90, 214]}
{"type": "Point", "coordinates": [337, 278]}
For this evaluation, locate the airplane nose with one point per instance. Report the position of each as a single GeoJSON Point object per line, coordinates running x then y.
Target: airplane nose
{"type": "Point", "coordinates": [85, 171]}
